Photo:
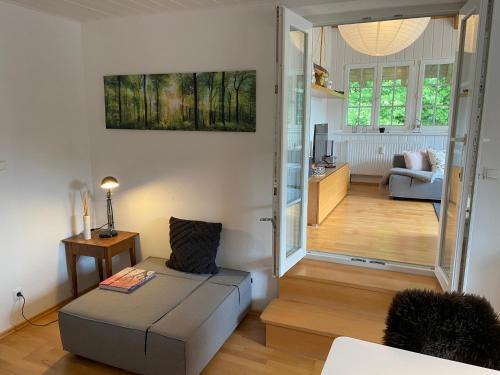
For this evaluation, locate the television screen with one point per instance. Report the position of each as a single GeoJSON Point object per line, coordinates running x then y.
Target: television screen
{"type": "Point", "coordinates": [320, 142]}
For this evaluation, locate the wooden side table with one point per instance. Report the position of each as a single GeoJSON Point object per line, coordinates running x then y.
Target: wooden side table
{"type": "Point", "coordinates": [101, 249]}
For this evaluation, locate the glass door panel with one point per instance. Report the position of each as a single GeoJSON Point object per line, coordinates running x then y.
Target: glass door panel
{"type": "Point", "coordinates": [292, 140]}
{"type": "Point", "coordinates": [462, 153]}
{"type": "Point", "coordinates": [295, 140]}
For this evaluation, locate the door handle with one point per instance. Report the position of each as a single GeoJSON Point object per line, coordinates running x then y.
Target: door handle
{"type": "Point", "coordinates": [266, 219]}
{"type": "Point", "coordinates": [459, 139]}
{"type": "Point", "coordinates": [490, 174]}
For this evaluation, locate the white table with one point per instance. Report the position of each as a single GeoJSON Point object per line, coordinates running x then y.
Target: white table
{"type": "Point", "coordinates": [355, 357]}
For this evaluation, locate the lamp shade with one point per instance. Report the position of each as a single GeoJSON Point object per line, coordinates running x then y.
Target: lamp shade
{"type": "Point", "coordinates": [109, 183]}
{"type": "Point", "coordinates": [384, 37]}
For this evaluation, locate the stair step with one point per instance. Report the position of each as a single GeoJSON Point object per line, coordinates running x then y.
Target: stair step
{"type": "Point", "coordinates": [325, 321]}
{"type": "Point", "coordinates": [360, 277]}
{"type": "Point", "coordinates": [333, 296]}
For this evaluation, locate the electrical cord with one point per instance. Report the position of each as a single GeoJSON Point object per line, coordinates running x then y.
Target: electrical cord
{"type": "Point", "coordinates": [20, 295]}
{"type": "Point", "coordinates": [102, 226]}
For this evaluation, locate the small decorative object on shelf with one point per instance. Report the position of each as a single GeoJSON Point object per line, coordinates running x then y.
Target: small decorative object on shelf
{"type": "Point", "coordinates": [86, 216]}
{"type": "Point", "coordinates": [381, 130]}
{"type": "Point", "coordinates": [109, 183]}
{"type": "Point", "coordinates": [318, 171]}
{"type": "Point", "coordinates": [321, 75]}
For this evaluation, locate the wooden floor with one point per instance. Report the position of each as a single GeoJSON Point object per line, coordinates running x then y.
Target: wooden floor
{"type": "Point", "coordinates": [369, 224]}
{"type": "Point", "coordinates": [37, 351]}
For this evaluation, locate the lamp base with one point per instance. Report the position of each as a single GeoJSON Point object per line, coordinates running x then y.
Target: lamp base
{"type": "Point", "coordinates": [108, 233]}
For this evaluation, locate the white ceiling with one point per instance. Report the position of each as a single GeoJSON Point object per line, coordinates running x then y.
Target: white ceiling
{"type": "Point", "coordinates": [88, 10]}
{"type": "Point", "coordinates": [318, 11]}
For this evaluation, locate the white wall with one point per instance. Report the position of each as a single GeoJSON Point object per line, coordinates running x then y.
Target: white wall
{"type": "Point", "coordinates": [225, 177]}
{"type": "Point", "coordinates": [44, 143]}
{"type": "Point", "coordinates": [483, 261]}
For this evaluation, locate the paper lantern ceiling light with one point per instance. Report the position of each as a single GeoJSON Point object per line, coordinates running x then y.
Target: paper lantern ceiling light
{"type": "Point", "coordinates": [384, 37]}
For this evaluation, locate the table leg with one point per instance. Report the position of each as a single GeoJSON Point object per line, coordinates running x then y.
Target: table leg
{"type": "Point", "coordinates": [133, 260]}
{"type": "Point", "coordinates": [100, 268]}
{"type": "Point", "coordinates": [109, 266]}
{"type": "Point", "coordinates": [72, 267]}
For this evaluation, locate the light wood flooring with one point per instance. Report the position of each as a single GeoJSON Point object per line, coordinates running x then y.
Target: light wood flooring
{"type": "Point", "coordinates": [367, 223]}
{"type": "Point", "coordinates": [37, 351]}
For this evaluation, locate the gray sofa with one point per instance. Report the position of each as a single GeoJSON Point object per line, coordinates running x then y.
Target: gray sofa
{"type": "Point", "coordinates": [411, 188]}
{"type": "Point", "coordinates": [173, 324]}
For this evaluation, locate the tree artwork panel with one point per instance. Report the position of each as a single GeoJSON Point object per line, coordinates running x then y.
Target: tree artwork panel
{"type": "Point", "coordinates": [213, 101]}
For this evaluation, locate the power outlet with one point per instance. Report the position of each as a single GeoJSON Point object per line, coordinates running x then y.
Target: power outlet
{"type": "Point", "coordinates": [15, 292]}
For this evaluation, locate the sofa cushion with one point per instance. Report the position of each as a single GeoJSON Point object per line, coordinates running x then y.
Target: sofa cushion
{"type": "Point", "coordinates": [194, 331]}
{"type": "Point", "coordinates": [411, 188]}
{"type": "Point", "coordinates": [194, 245]}
{"type": "Point", "coordinates": [437, 160]}
{"type": "Point", "coordinates": [111, 327]}
{"type": "Point", "coordinates": [173, 324]}
{"type": "Point", "coordinates": [417, 160]}
{"type": "Point", "coordinates": [159, 266]}
{"type": "Point", "coordinates": [137, 310]}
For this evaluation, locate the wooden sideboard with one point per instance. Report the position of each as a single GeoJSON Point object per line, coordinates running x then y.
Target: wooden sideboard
{"type": "Point", "coordinates": [326, 192]}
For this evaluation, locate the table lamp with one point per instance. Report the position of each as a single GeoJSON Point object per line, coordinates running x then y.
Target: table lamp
{"type": "Point", "coordinates": [109, 183]}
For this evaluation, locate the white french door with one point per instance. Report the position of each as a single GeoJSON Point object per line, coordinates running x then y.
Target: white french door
{"type": "Point", "coordinates": [469, 76]}
{"type": "Point", "coordinates": [294, 74]}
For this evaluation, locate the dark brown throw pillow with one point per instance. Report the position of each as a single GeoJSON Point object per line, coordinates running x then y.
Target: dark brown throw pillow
{"type": "Point", "coordinates": [194, 245]}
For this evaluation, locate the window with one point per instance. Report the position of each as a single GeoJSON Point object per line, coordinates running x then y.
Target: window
{"type": "Point", "coordinates": [436, 94]}
{"type": "Point", "coordinates": [393, 95]}
{"type": "Point", "coordinates": [399, 95]}
{"type": "Point", "coordinates": [360, 96]}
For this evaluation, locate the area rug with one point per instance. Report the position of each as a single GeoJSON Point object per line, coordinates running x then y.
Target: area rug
{"type": "Point", "coordinates": [437, 208]}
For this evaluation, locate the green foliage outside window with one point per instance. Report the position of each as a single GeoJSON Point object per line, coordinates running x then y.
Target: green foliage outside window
{"type": "Point", "coordinates": [436, 94]}
{"type": "Point", "coordinates": [393, 94]}
{"type": "Point", "coordinates": [360, 96]}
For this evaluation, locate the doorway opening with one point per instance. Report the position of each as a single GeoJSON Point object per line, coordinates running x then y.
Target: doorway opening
{"type": "Point", "coordinates": [411, 115]}
{"type": "Point", "coordinates": [376, 123]}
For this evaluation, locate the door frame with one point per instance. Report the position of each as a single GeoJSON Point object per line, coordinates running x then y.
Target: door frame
{"type": "Point", "coordinates": [399, 267]}
{"type": "Point", "coordinates": [455, 281]}
{"type": "Point", "coordinates": [282, 262]}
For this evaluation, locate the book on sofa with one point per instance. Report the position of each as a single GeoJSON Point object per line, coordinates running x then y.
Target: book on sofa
{"type": "Point", "coordinates": [127, 280]}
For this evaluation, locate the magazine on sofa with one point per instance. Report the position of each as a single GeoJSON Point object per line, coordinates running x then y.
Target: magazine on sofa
{"type": "Point", "coordinates": [127, 280]}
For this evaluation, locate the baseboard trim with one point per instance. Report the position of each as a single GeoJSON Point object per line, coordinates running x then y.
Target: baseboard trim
{"type": "Point", "coordinates": [254, 313]}
{"type": "Point", "coordinates": [42, 314]}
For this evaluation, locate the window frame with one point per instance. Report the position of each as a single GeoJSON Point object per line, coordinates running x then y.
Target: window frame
{"type": "Point", "coordinates": [410, 94]}
{"type": "Point", "coordinates": [420, 91]}
{"type": "Point", "coordinates": [345, 106]}
{"type": "Point", "coordinates": [377, 88]}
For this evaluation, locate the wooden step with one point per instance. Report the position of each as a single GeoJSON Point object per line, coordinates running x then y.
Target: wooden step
{"type": "Point", "coordinates": [333, 296]}
{"type": "Point", "coordinates": [361, 277]}
{"type": "Point", "coordinates": [309, 329]}
{"type": "Point", "coordinates": [337, 285]}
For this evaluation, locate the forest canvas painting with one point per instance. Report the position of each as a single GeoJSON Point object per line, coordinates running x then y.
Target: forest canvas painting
{"type": "Point", "coordinates": [221, 101]}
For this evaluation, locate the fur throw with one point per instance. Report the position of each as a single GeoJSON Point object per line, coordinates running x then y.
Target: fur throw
{"type": "Point", "coordinates": [454, 326]}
